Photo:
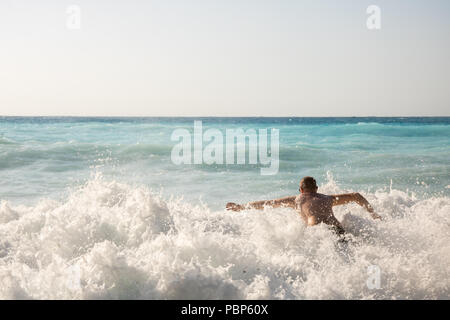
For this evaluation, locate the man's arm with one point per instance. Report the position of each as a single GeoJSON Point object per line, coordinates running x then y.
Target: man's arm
{"type": "Point", "coordinates": [282, 202]}
{"type": "Point", "coordinates": [340, 199]}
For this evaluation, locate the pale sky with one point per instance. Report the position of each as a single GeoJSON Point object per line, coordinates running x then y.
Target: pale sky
{"type": "Point", "coordinates": [225, 58]}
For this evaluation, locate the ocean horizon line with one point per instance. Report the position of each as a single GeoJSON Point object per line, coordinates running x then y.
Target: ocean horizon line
{"type": "Point", "coordinates": [226, 117]}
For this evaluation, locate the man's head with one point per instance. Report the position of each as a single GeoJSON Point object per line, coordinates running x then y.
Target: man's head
{"type": "Point", "coordinates": [308, 184]}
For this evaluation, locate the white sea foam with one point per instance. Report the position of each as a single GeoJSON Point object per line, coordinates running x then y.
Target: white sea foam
{"type": "Point", "coordinates": [109, 240]}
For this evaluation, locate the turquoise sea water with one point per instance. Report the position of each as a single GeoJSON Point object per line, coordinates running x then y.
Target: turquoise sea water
{"type": "Point", "coordinates": [43, 157]}
{"type": "Point", "coordinates": [95, 208]}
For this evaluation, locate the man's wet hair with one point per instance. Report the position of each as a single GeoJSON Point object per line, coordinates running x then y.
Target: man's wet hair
{"type": "Point", "coordinates": [308, 184]}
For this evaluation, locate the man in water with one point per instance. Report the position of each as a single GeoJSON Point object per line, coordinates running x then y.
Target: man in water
{"type": "Point", "coordinates": [313, 207]}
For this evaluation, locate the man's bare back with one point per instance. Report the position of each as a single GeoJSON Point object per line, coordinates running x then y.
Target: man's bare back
{"type": "Point", "coordinates": [313, 207]}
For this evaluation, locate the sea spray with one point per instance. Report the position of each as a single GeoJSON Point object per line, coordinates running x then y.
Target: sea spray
{"type": "Point", "coordinates": [111, 240]}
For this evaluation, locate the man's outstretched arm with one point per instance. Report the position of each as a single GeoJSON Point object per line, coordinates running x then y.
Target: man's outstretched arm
{"type": "Point", "coordinates": [340, 199]}
{"type": "Point", "coordinates": [282, 202]}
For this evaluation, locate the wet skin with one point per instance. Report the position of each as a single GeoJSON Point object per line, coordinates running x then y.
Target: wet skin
{"type": "Point", "coordinates": [313, 207]}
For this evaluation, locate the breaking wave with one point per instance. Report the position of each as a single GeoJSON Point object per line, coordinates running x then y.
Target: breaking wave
{"type": "Point", "coordinates": [109, 240]}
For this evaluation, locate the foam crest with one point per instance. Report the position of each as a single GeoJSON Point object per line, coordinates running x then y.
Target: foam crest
{"type": "Point", "coordinates": [110, 240]}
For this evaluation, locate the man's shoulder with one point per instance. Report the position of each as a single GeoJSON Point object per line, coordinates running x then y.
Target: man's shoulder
{"type": "Point", "coordinates": [326, 197]}
{"type": "Point", "coordinates": [316, 194]}
{"type": "Point", "coordinates": [313, 195]}
{"type": "Point", "coordinates": [298, 198]}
